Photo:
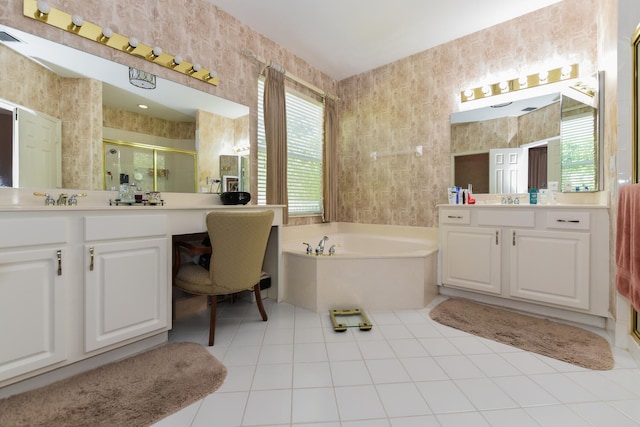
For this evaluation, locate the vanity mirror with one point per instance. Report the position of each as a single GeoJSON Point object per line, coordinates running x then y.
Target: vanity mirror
{"type": "Point", "coordinates": [88, 100]}
{"type": "Point", "coordinates": [515, 146]}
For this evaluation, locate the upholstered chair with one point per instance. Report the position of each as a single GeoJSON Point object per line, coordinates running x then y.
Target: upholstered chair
{"type": "Point", "coordinates": [238, 245]}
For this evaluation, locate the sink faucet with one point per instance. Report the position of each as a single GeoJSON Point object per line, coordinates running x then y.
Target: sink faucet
{"type": "Point", "coordinates": [309, 250]}
{"type": "Point", "coordinates": [62, 199]}
{"type": "Point", "coordinates": [320, 247]}
{"type": "Point", "coordinates": [73, 200]}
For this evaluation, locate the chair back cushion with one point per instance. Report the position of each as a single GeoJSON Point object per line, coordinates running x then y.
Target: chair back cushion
{"type": "Point", "coordinates": [238, 244]}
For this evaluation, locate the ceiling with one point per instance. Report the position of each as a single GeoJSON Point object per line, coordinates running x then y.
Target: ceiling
{"type": "Point", "coordinates": [343, 38]}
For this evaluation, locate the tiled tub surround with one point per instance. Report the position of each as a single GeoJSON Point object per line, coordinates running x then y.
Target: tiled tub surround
{"type": "Point", "coordinates": [374, 267]}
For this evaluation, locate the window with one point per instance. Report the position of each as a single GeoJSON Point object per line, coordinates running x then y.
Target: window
{"type": "Point", "coordinates": [579, 152]}
{"type": "Point", "coordinates": [304, 150]}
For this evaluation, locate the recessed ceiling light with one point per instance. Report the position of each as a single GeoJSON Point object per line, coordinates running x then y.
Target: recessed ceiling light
{"type": "Point", "coordinates": [144, 107]}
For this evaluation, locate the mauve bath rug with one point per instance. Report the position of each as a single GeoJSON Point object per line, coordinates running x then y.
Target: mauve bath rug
{"type": "Point", "coordinates": [557, 340]}
{"type": "Point", "coordinates": [137, 391]}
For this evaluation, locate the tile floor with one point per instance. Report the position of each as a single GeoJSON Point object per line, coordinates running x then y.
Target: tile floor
{"type": "Point", "coordinates": [408, 371]}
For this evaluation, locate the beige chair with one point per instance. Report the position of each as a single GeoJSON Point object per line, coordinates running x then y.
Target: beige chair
{"type": "Point", "coordinates": [238, 244]}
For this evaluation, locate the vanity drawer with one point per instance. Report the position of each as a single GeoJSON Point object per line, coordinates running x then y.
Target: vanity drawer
{"type": "Point", "coordinates": [33, 232]}
{"type": "Point", "coordinates": [568, 220]}
{"type": "Point", "coordinates": [124, 226]}
{"type": "Point", "coordinates": [455, 216]}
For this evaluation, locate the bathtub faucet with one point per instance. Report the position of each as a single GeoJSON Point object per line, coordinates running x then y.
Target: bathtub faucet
{"type": "Point", "coordinates": [320, 247]}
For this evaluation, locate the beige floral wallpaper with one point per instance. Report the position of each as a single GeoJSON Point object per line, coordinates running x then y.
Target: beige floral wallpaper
{"type": "Point", "coordinates": [394, 108]}
{"type": "Point", "coordinates": [140, 123]}
{"type": "Point", "coordinates": [408, 103]}
{"type": "Point", "coordinates": [506, 132]}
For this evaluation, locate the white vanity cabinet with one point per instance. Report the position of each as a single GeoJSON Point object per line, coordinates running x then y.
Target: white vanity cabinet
{"type": "Point", "coordinates": [555, 256]}
{"type": "Point", "coordinates": [126, 278]}
{"type": "Point", "coordinates": [84, 286]}
{"type": "Point", "coordinates": [33, 287]}
{"type": "Point", "coordinates": [472, 258]}
{"type": "Point", "coordinates": [550, 267]}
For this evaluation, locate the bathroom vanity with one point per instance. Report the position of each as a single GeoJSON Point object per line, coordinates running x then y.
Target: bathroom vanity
{"type": "Point", "coordinates": [93, 283]}
{"type": "Point", "coordinates": [551, 260]}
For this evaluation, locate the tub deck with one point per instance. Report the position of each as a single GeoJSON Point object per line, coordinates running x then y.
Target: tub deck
{"type": "Point", "coordinates": [375, 267]}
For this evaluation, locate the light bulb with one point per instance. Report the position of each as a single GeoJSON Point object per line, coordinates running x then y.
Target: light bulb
{"type": "Point", "coordinates": [43, 7]}
{"type": "Point", "coordinates": [107, 32]}
{"type": "Point", "coordinates": [77, 20]}
{"type": "Point", "coordinates": [523, 81]}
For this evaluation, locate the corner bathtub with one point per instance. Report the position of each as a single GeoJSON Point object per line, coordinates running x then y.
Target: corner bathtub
{"type": "Point", "coordinates": [375, 267]}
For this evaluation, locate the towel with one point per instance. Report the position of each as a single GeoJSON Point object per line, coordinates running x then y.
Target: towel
{"type": "Point", "coordinates": [628, 244]}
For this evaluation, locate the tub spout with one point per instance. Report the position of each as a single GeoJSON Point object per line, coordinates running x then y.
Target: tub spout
{"type": "Point", "coordinates": [320, 247]}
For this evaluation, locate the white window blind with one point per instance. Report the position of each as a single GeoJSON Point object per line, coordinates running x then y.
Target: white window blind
{"type": "Point", "coordinates": [579, 167]}
{"type": "Point", "coordinates": [304, 153]}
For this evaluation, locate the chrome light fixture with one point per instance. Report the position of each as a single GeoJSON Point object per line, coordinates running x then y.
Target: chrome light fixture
{"type": "Point", "coordinates": [142, 79]}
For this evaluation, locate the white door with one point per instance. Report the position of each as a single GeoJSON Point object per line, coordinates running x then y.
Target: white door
{"type": "Point", "coordinates": [39, 151]}
{"type": "Point", "coordinates": [32, 311]}
{"type": "Point", "coordinates": [508, 170]}
{"type": "Point", "coordinates": [471, 258]}
{"type": "Point", "coordinates": [550, 267]}
{"type": "Point", "coordinates": [125, 291]}
{"type": "Point", "coordinates": [554, 161]}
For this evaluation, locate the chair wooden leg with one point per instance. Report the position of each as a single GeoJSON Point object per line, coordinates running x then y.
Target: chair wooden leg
{"type": "Point", "coordinates": [212, 322]}
{"type": "Point", "coordinates": [256, 290]}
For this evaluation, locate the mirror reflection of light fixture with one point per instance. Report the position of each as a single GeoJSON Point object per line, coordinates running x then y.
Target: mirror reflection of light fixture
{"type": "Point", "coordinates": [142, 79]}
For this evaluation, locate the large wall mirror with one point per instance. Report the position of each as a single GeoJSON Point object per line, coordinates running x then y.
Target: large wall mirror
{"type": "Point", "coordinates": [70, 105]}
{"type": "Point", "coordinates": [547, 141]}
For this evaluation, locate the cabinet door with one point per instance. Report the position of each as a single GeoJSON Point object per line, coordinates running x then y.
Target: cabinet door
{"type": "Point", "coordinates": [126, 291]}
{"type": "Point", "coordinates": [471, 258]}
{"type": "Point", "coordinates": [551, 267]}
{"type": "Point", "coordinates": [32, 311]}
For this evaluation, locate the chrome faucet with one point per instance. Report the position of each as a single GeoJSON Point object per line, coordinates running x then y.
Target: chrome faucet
{"type": "Point", "coordinates": [320, 247]}
{"type": "Point", "coordinates": [62, 199]}
{"type": "Point", "coordinates": [73, 200]}
{"type": "Point", "coordinates": [309, 249]}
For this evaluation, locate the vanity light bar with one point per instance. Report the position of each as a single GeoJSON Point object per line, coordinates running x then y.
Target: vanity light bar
{"type": "Point", "coordinates": [524, 82]}
{"type": "Point", "coordinates": [76, 25]}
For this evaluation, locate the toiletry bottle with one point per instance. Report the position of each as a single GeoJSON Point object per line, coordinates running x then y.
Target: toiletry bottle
{"type": "Point", "coordinates": [533, 196]}
{"type": "Point", "coordinates": [470, 199]}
